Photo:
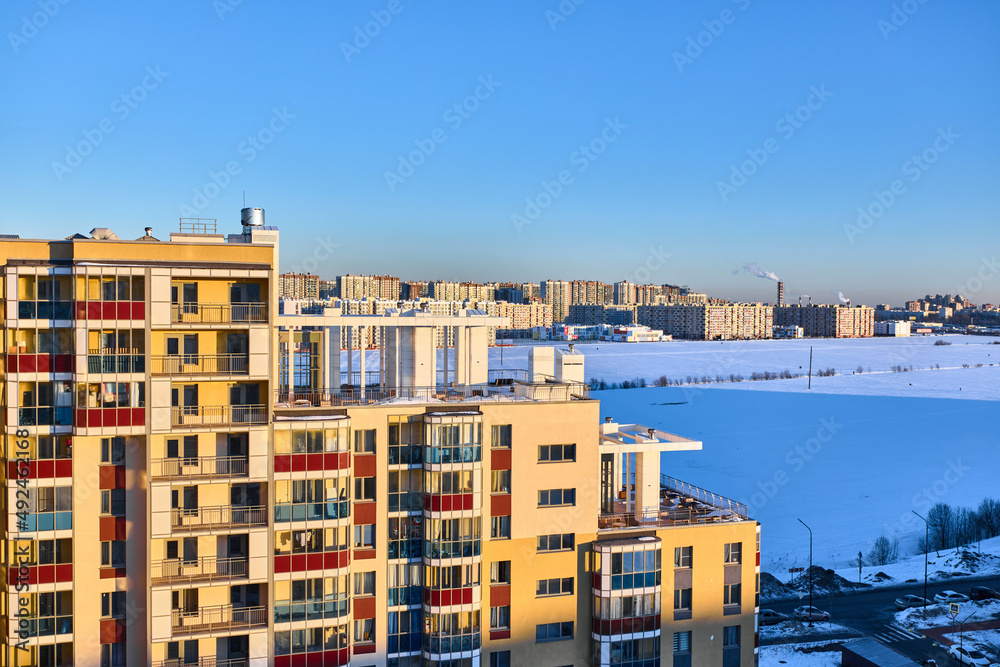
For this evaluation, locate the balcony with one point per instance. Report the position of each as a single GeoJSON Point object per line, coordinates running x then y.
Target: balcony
{"type": "Point", "coordinates": [201, 364]}
{"type": "Point", "coordinates": [210, 661]}
{"type": "Point", "coordinates": [208, 568]}
{"type": "Point", "coordinates": [222, 617]}
{"type": "Point", "coordinates": [109, 361]}
{"type": "Point", "coordinates": [201, 467]}
{"type": "Point", "coordinates": [223, 516]}
{"type": "Point", "coordinates": [218, 415]}
{"type": "Point", "coordinates": [681, 504]}
{"type": "Point", "coordinates": [218, 313]}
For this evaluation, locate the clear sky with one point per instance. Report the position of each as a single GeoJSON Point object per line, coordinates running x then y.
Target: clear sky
{"type": "Point", "coordinates": [590, 140]}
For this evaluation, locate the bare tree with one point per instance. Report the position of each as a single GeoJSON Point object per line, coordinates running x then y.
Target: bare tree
{"type": "Point", "coordinates": [942, 526]}
{"type": "Point", "coordinates": [883, 551]}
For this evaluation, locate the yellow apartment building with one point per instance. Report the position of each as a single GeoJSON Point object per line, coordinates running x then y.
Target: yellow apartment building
{"type": "Point", "coordinates": [194, 478]}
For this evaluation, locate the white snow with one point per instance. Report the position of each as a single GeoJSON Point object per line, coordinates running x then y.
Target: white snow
{"type": "Point", "coordinates": [938, 616]}
{"type": "Point", "coordinates": [790, 654]}
{"type": "Point", "coordinates": [986, 642]}
{"type": "Point", "coordinates": [792, 629]}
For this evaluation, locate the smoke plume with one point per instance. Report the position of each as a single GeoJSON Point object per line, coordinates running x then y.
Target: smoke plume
{"type": "Point", "coordinates": [759, 272]}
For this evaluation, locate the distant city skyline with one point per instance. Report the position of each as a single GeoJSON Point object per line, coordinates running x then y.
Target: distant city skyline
{"type": "Point", "coordinates": [846, 148]}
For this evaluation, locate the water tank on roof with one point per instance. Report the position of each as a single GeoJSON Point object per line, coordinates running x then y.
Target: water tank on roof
{"type": "Point", "coordinates": [252, 217]}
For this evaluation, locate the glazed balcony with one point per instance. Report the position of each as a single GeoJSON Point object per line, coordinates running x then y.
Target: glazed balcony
{"type": "Point", "coordinates": [208, 568]}
{"type": "Point", "coordinates": [201, 364]}
{"type": "Point", "coordinates": [202, 467]}
{"type": "Point", "coordinates": [112, 361]}
{"type": "Point", "coordinates": [222, 516]}
{"type": "Point", "coordinates": [209, 661]}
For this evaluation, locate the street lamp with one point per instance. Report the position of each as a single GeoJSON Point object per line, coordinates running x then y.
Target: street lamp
{"type": "Point", "coordinates": [927, 546]}
{"type": "Point", "coordinates": [810, 569]}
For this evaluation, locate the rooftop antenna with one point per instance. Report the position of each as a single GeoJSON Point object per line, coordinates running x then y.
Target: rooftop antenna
{"type": "Point", "coordinates": [244, 199]}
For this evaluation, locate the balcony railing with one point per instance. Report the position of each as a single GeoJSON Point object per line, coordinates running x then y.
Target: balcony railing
{"type": "Point", "coordinates": [681, 504]}
{"type": "Point", "coordinates": [218, 313]}
{"type": "Point", "coordinates": [217, 517]}
{"type": "Point", "coordinates": [479, 393]}
{"type": "Point", "coordinates": [110, 361]}
{"type": "Point", "coordinates": [207, 568]}
{"type": "Point", "coordinates": [202, 466]}
{"type": "Point", "coordinates": [201, 364]}
{"type": "Point", "coordinates": [222, 617]}
{"type": "Point", "coordinates": [218, 415]}
{"type": "Point", "coordinates": [672, 486]}
{"type": "Point", "coordinates": [210, 661]}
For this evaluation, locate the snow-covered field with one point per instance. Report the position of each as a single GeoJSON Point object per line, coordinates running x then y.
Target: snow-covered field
{"type": "Point", "coordinates": [793, 655]}
{"type": "Point", "coordinates": [793, 629]}
{"type": "Point", "coordinates": [938, 616]}
{"type": "Point", "coordinates": [852, 458]}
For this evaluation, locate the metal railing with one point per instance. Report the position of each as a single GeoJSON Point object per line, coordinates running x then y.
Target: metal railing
{"type": "Point", "coordinates": [110, 361]}
{"type": "Point", "coordinates": [479, 393]}
{"type": "Point", "coordinates": [201, 364]}
{"type": "Point", "coordinates": [198, 225]}
{"type": "Point", "coordinates": [220, 516]}
{"type": "Point", "coordinates": [218, 313]}
{"type": "Point", "coordinates": [704, 496]}
{"type": "Point", "coordinates": [221, 617]}
{"type": "Point", "coordinates": [209, 661]}
{"type": "Point", "coordinates": [217, 415]}
{"type": "Point", "coordinates": [202, 466]}
{"type": "Point", "coordinates": [206, 568]}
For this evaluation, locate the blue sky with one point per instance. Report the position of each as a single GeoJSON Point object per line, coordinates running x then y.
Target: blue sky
{"type": "Point", "coordinates": [313, 122]}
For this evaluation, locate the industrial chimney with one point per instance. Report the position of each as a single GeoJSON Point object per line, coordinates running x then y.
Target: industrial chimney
{"type": "Point", "coordinates": [781, 293]}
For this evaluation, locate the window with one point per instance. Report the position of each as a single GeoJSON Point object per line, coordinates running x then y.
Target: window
{"type": "Point", "coordinates": [500, 618]}
{"type": "Point", "coordinates": [549, 587]}
{"type": "Point", "coordinates": [500, 572]}
{"type": "Point", "coordinates": [552, 632]}
{"type": "Point", "coordinates": [500, 659]}
{"type": "Point", "coordinates": [731, 636]}
{"type": "Point", "coordinates": [364, 631]}
{"type": "Point", "coordinates": [734, 553]}
{"type": "Point", "coordinates": [682, 649]}
{"type": "Point", "coordinates": [501, 436]}
{"type": "Point", "coordinates": [364, 583]}
{"type": "Point", "coordinates": [682, 556]}
{"type": "Point", "coordinates": [500, 481]}
{"type": "Point", "coordinates": [113, 553]}
{"type": "Point", "coordinates": [500, 528]}
{"type": "Point", "coordinates": [556, 497]}
{"type": "Point", "coordinates": [731, 594]}
{"type": "Point", "coordinates": [364, 488]}
{"type": "Point", "coordinates": [364, 536]}
{"type": "Point", "coordinates": [113, 502]}
{"type": "Point", "coordinates": [682, 599]}
{"type": "Point", "coordinates": [54, 447]}
{"type": "Point", "coordinates": [113, 655]}
{"type": "Point", "coordinates": [113, 604]}
{"type": "Point", "coordinates": [556, 453]}
{"type": "Point", "coordinates": [364, 442]}
{"type": "Point", "coordinates": [563, 542]}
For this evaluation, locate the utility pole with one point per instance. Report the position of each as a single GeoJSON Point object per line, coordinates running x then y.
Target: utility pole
{"type": "Point", "coordinates": [810, 567]}
{"type": "Point", "coordinates": [927, 547]}
{"type": "Point", "coordinates": [810, 371]}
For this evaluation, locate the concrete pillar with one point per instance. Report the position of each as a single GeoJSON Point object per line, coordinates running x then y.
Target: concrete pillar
{"type": "Point", "coordinates": [461, 367]}
{"type": "Point", "coordinates": [350, 354]}
{"type": "Point", "coordinates": [290, 361]}
{"type": "Point", "coordinates": [647, 483]}
{"type": "Point", "coordinates": [333, 352]}
{"type": "Point", "coordinates": [444, 381]}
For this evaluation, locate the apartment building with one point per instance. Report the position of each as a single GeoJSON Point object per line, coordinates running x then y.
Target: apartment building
{"type": "Point", "coordinates": [353, 287]}
{"type": "Point", "coordinates": [557, 294]}
{"type": "Point", "coordinates": [193, 478]}
{"type": "Point", "coordinates": [298, 286]}
{"type": "Point", "coordinates": [710, 322]}
{"type": "Point", "coordinates": [836, 321]}
{"type": "Point", "coordinates": [590, 292]}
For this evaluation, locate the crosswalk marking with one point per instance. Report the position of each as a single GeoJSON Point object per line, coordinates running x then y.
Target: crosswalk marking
{"type": "Point", "coordinates": [894, 633]}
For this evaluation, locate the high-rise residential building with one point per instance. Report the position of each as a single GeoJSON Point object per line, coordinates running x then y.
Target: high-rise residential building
{"type": "Point", "coordinates": [710, 322]}
{"type": "Point", "coordinates": [207, 481]}
{"type": "Point", "coordinates": [368, 287]}
{"type": "Point", "coordinates": [298, 286]}
{"type": "Point", "coordinates": [414, 290]}
{"type": "Point", "coordinates": [557, 293]}
{"type": "Point", "coordinates": [836, 321]}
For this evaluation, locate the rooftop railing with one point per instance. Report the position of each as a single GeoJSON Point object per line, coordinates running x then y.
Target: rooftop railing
{"type": "Point", "coordinates": [478, 393]}
{"type": "Point", "coordinates": [673, 485]}
{"type": "Point", "coordinates": [681, 504]}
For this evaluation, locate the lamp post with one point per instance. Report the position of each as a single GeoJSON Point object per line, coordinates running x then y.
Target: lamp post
{"type": "Point", "coordinates": [927, 546]}
{"type": "Point", "coordinates": [810, 569]}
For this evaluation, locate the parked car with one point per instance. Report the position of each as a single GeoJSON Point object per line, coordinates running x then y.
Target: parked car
{"type": "Point", "coordinates": [983, 593]}
{"type": "Point", "coordinates": [908, 601]}
{"type": "Point", "coordinates": [968, 656]}
{"type": "Point", "coordinates": [771, 617]}
{"type": "Point", "coordinates": [807, 613]}
{"type": "Point", "coordinates": [951, 596]}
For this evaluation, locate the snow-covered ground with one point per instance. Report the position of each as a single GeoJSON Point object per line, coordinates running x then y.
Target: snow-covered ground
{"type": "Point", "coordinates": [796, 655]}
{"type": "Point", "coordinates": [938, 616]}
{"type": "Point", "coordinates": [792, 629]}
{"type": "Point", "coordinates": [985, 641]}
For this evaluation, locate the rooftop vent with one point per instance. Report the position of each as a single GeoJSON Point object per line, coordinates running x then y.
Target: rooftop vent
{"type": "Point", "coordinates": [103, 234]}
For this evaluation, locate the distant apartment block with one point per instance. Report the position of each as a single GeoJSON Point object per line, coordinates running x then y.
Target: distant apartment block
{"type": "Point", "coordinates": [557, 294]}
{"type": "Point", "coordinates": [353, 287]}
{"type": "Point", "coordinates": [710, 322]}
{"type": "Point", "coordinates": [892, 328]}
{"type": "Point", "coordinates": [835, 321]}
{"type": "Point", "coordinates": [298, 286]}
{"type": "Point", "coordinates": [788, 331]}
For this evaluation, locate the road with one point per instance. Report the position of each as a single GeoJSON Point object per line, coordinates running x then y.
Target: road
{"type": "Point", "coordinates": [871, 614]}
